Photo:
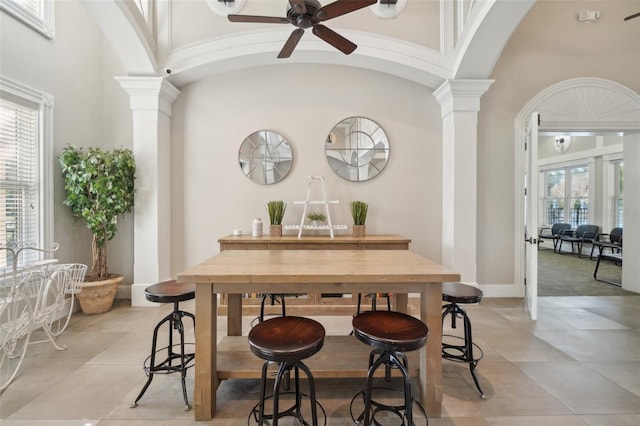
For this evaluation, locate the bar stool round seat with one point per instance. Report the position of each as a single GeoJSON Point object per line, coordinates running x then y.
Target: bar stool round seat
{"type": "Point", "coordinates": [176, 358]}
{"type": "Point", "coordinates": [390, 334]}
{"type": "Point", "coordinates": [170, 292]}
{"type": "Point", "coordinates": [287, 341]}
{"type": "Point", "coordinates": [457, 294]}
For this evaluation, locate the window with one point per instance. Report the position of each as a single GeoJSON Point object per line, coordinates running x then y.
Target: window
{"type": "Point", "coordinates": [38, 14]}
{"type": "Point", "coordinates": [566, 197]}
{"type": "Point", "coordinates": [25, 166]}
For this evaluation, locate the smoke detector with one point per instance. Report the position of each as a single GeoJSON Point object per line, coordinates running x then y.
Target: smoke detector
{"type": "Point", "coordinates": [588, 15]}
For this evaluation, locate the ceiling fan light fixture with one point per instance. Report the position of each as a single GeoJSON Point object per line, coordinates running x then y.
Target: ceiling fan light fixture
{"type": "Point", "coordinates": [225, 7]}
{"type": "Point", "coordinates": [387, 9]}
{"type": "Point", "coordinates": [305, 14]}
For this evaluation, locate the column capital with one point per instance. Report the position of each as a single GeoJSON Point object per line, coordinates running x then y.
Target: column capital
{"type": "Point", "coordinates": [461, 95]}
{"type": "Point", "coordinates": [149, 93]}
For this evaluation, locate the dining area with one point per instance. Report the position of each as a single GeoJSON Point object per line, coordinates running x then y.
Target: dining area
{"type": "Point", "coordinates": [235, 273]}
{"type": "Point", "coordinates": [533, 376]}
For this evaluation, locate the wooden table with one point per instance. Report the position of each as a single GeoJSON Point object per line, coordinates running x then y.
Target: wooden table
{"type": "Point", "coordinates": [333, 271]}
{"type": "Point", "coordinates": [311, 303]}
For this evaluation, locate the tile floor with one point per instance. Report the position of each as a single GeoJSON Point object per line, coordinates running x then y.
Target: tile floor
{"type": "Point", "coordinates": [579, 364]}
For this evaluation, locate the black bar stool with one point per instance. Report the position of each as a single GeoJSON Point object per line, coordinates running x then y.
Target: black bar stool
{"type": "Point", "coordinates": [374, 301]}
{"type": "Point", "coordinates": [286, 340]}
{"type": "Point", "coordinates": [390, 334]}
{"type": "Point", "coordinates": [170, 292]}
{"type": "Point", "coordinates": [273, 298]}
{"type": "Point", "coordinates": [456, 294]}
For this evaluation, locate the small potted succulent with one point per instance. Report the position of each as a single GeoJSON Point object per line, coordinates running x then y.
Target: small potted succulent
{"type": "Point", "coordinates": [359, 215]}
{"type": "Point", "coordinates": [316, 218]}
{"type": "Point", "coordinates": [276, 209]}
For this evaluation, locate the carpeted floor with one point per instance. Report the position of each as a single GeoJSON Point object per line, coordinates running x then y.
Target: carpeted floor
{"type": "Point", "coordinates": [567, 275]}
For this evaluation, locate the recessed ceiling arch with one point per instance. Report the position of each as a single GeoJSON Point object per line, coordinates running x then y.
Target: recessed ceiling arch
{"type": "Point", "coordinates": [486, 32]}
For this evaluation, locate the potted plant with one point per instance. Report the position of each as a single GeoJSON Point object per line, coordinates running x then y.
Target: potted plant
{"type": "Point", "coordinates": [100, 188]}
{"type": "Point", "coordinates": [276, 209]}
{"type": "Point", "coordinates": [316, 218]}
{"type": "Point", "coordinates": [359, 215]}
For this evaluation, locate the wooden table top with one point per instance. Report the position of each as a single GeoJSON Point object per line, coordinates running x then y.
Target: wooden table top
{"type": "Point", "coordinates": [338, 239]}
{"type": "Point", "coordinates": [317, 266]}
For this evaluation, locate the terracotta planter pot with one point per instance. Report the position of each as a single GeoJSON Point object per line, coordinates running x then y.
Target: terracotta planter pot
{"type": "Point", "coordinates": [275, 230]}
{"type": "Point", "coordinates": [359, 231]}
{"type": "Point", "coordinates": [97, 297]}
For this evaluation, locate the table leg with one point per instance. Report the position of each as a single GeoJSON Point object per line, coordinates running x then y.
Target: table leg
{"type": "Point", "coordinates": [206, 372]}
{"type": "Point", "coordinates": [401, 301]}
{"type": "Point", "coordinates": [431, 354]}
{"type": "Point", "coordinates": [234, 314]}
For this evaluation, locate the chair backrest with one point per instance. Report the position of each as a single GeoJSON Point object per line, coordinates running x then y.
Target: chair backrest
{"type": "Point", "coordinates": [588, 231]}
{"type": "Point", "coordinates": [616, 235]}
{"type": "Point", "coordinates": [557, 227]}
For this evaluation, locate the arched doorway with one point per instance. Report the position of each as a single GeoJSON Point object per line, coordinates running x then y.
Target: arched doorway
{"type": "Point", "coordinates": [581, 105]}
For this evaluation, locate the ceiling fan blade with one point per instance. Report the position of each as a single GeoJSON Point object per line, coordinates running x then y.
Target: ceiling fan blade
{"type": "Point", "coordinates": [258, 19]}
{"type": "Point", "coordinates": [340, 7]}
{"type": "Point", "coordinates": [291, 43]}
{"type": "Point", "coordinates": [334, 39]}
{"type": "Point", "coordinates": [635, 15]}
{"type": "Point", "coordinates": [298, 6]}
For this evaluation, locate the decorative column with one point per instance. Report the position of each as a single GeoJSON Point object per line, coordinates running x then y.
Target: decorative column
{"type": "Point", "coordinates": [460, 102]}
{"type": "Point", "coordinates": [150, 100]}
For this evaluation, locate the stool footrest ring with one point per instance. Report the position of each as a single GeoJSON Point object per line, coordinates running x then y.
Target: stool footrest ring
{"type": "Point", "coordinates": [378, 407]}
{"type": "Point", "coordinates": [463, 356]}
{"type": "Point", "coordinates": [167, 366]}
{"type": "Point", "coordinates": [289, 412]}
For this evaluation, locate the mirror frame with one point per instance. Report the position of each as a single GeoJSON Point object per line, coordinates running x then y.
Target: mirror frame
{"type": "Point", "coordinates": [265, 157]}
{"type": "Point", "coordinates": [357, 149]}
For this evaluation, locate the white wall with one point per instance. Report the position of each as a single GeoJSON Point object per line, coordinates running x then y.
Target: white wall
{"type": "Point", "coordinates": [211, 118]}
{"type": "Point", "coordinates": [549, 46]}
{"type": "Point", "coordinates": [90, 109]}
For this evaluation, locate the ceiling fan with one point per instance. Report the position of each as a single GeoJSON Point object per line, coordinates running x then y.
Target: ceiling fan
{"type": "Point", "coordinates": [309, 14]}
{"type": "Point", "coordinates": [635, 15]}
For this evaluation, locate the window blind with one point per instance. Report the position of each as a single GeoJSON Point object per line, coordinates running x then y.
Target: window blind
{"type": "Point", "coordinates": [19, 180]}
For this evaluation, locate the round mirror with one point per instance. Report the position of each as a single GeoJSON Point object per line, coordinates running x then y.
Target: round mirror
{"type": "Point", "coordinates": [265, 157]}
{"type": "Point", "coordinates": [357, 149]}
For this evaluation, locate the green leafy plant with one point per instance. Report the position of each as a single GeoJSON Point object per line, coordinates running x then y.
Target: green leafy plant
{"type": "Point", "coordinates": [100, 188]}
{"type": "Point", "coordinates": [359, 212]}
{"type": "Point", "coordinates": [316, 216]}
{"type": "Point", "coordinates": [276, 211]}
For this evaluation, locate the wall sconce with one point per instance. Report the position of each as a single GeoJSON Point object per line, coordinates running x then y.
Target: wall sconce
{"type": "Point", "coordinates": [562, 143]}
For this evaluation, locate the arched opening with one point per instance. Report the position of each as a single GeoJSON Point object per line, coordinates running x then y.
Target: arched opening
{"type": "Point", "coordinates": [583, 106]}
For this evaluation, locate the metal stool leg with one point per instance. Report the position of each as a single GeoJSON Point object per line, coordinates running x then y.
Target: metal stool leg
{"type": "Point", "coordinates": [152, 363]}
{"type": "Point", "coordinates": [404, 412]}
{"type": "Point", "coordinates": [295, 410]}
{"type": "Point", "coordinates": [273, 298]}
{"type": "Point", "coordinates": [174, 320]}
{"type": "Point", "coordinates": [465, 350]}
{"type": "Point", "coordinates": [473, 363]}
